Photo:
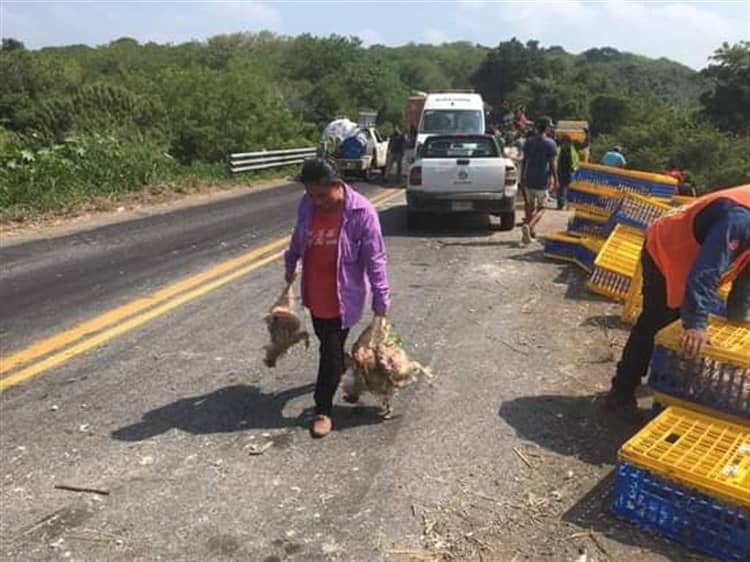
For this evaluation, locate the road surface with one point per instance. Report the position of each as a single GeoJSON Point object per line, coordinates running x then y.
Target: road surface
{"type": "Point", "coordinates": [129, 433]}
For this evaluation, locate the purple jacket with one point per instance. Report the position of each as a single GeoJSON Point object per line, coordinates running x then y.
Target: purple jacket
{"type": "Point", "coordinates": [362, 260]}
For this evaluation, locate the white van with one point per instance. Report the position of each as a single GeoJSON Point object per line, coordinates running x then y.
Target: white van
{"type": "Point", "coordinates": [451, 113]}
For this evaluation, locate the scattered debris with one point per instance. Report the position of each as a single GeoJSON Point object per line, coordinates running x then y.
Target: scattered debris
{"type": "Point", "coordinates": [254, 449]}
{"type": "Point", "coordinates": [147, 460]}
{"type": "Point", "coordinates": [598, 544]}
{"type": "Point", "coordinates": [84, 489]}
{"type": "Point", "coordinates": [54, 407]}
{"type": "Point", "coordinates": [522, 457]}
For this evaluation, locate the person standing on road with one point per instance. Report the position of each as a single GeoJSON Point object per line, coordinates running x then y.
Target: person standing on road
{"type": "Point", "coordinates": [567, 162]}
{"type": "Point", "coordinates": [614, 158]}
{"type": "Point", "coordinates": [396, 146]}
{"type": "Point", "coordinates": [339, 242]}
{"type": "Point", "coordinates": [520, 121]}
{"type": "Point", "coordinates": [538, 174]}
{"type": "Point", "coordinates": [686, 254]}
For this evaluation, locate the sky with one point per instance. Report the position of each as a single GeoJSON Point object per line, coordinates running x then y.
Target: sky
{"type": "Point", "coordinates": [688, 31]}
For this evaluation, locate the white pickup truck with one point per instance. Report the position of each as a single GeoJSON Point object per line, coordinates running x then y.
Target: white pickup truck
{"type": "Point", "coordinates": [462, 173]}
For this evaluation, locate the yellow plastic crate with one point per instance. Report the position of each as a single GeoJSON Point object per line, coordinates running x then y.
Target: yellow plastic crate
{"type": "Point", "coordinates": [593, 243]}
{"type": "Point", "coordinates": [565, 246]}
{"type": "Point", "coordinates": [594, 198]}
{"type": "Point", "coordinates": [633, 304]}
{"type": "Point", "coordinates": [575, 135]}
{"type": "Point", "coordinates": [711, 455]}
{"type": "Point", "coordinates": [636, 174]}
{"type": "Point", "coordinates": [621, 253]}
{"type": "Point", "coordinates": [730, 341]}
{"type": "Point", "coordinates": [617, 262]}
{"type": "Point", "coordinates": [641, 210]}
{"type": "Point", "coordinates": [570, 124]}
{"type": "Point", "coordinates": [669, 400]}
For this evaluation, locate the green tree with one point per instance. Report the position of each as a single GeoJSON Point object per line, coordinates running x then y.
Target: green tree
{"type": "Point", "coordinates": [728, 102]}
{"type": "Point", "coordinates": [506, 67]}
{"type": "Point", "coordinates": [10, 44]}
{"type": "Point", "coordinates": [608, 113]}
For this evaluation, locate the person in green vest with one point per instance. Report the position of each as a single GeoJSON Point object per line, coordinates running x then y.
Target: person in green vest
{"type": "Point", "coordinates": [567, 163]}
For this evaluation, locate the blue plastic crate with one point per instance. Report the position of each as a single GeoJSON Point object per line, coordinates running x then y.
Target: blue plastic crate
{"type": "Point", "coordinates": [585, 256]}
{"type": "Point", "coordinates": [595, 200]}
{"type": "Point", "coordinates": [625, 183]}
{"type": "Point", "coordinates": [582, 225]}
{"type": "Point", "coordinates": [683, 515]}
{"type": "Point", "coordinates": [714, 384]}
{"type": "Point", "coordinates": [560, 248]}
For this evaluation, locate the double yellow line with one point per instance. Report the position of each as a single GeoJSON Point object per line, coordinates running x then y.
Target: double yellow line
{"type": "Point", "coordinates": [54, 350]}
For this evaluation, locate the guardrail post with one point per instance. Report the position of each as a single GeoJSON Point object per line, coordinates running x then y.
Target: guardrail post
{"type": "Point", "coordinates": [228, 167]}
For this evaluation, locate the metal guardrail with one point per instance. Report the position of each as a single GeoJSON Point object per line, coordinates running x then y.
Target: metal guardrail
{"type": "Point", "coordinates": [249, 161]}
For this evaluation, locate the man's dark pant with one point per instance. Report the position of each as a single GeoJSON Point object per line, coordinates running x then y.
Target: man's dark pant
{"type": "Point", "coordinates": [332, 339]}
{"type": "Point", "coordinates": [656, 315]}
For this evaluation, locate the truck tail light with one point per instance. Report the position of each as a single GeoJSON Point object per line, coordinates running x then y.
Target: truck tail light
{"type": "Point", "coordinates": [511, 176]}
{"type": "Point", "coordinates": [415, 176]}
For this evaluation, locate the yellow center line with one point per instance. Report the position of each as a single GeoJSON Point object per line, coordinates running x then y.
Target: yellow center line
{"type": "Point", "coordinates": [135, 314]}
{"type": "Point", "coordinates": [106, 335]}
{"type": "Point", "coordinates": [115, 315]}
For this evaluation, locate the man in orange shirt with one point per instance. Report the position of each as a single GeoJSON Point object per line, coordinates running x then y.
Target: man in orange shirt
{"type": "Point", "coordinates": [687, 253]}
{"type": "Point", "coordinates": [338, 239]}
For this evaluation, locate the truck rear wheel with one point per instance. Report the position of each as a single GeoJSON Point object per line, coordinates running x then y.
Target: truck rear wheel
{"type": "Point", "coordinates": [507, 221]}
{"type": "Point", "coordinates": [415, 220]}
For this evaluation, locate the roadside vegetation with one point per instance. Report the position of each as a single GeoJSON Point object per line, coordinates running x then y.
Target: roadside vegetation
{"type": "Point", "coordinates": [80, 123]}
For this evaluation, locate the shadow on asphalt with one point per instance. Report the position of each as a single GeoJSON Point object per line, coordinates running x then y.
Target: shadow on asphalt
{"type": "Point", "coordinates": [593, 513]}
{"type": "Point", "coordinates": [575, 278]}
{"type": "Point", "coordinates": [567, 425]}
{"type": "Point", "coordinates": [393, 223]}
{"type": "Point", "coordinates": [237, 408]}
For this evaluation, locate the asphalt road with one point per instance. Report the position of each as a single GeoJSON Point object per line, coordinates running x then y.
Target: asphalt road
{"type": "Point", "coordinates": [502, 458]}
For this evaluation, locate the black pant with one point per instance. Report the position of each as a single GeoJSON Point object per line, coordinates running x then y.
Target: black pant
{"type": "Point", "coordinates": [655, 315]}
{"type": "Point", "coordinates": [332, 339]}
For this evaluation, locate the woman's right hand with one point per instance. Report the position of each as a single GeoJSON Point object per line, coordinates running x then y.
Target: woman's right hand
{"type": "Point", "coordinates": [290, 277]}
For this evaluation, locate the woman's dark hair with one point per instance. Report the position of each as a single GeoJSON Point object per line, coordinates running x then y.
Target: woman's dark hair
{"type": "Point", "coordinates": [318, 171]}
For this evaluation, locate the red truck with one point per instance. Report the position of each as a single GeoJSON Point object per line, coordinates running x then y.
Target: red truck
{"type": "Point", "coordinates": [414, 106]}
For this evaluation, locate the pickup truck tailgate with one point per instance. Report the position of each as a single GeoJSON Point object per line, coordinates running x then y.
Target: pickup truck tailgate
{"type": "Point", "coordinates": [463, 174]}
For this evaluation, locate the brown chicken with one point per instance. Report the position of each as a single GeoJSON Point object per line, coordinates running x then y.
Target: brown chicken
{"type": "Point", "coordinates": [284, 327]}
{"type": "Point", "coordinates": [380, 365]}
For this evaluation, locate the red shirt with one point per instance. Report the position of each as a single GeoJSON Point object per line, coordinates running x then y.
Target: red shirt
{"type": "Point", "coordinates": [320, 266]}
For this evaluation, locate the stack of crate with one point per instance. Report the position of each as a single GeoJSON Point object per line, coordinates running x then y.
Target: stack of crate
{"type": "Point", "coordinates": [613, 207]}
{"type": "Point", "coordinates": [686, 475]}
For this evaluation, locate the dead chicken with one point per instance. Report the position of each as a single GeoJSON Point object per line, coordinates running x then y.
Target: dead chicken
{"type": "Point", "coordinates": [284, 327]}
{"type": "Point", "coordinates": [380, 365]}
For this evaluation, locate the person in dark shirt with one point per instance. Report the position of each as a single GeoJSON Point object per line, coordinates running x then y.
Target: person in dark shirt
{"type": "Point", "coordinates": [686, 256]}
{"type": "Point", "coordinates": [396, 146]}
{"type": "Point", "coordinates": [538, 172]}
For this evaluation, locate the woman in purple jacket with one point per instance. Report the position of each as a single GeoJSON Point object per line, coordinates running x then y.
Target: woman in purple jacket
{"type": "Point", "coordinates": [338, 240]}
